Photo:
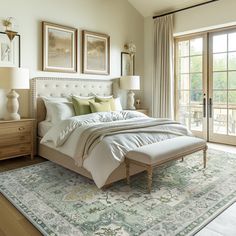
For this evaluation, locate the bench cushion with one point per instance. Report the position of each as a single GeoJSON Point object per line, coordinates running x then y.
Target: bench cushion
{"type": "Point", "coordinates": [163, 151]}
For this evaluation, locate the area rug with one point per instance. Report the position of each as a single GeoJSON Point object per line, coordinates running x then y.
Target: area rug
{"type": "Point", "coordinates": [185, 197]}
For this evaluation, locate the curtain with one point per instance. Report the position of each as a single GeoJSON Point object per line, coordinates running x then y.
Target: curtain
{"type": "Point", "coordinates": [163, 93]}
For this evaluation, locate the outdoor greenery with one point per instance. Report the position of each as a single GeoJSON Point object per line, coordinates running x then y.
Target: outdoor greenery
{"type": "Point", "coordinates": [190, 68]}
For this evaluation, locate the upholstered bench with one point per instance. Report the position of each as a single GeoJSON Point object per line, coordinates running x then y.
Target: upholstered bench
{"type": "Point", "coordinates": [156, 154]}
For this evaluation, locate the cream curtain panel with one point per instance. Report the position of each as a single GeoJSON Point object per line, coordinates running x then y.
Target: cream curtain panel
{"type": "Point", "coordinates": [163, 93]}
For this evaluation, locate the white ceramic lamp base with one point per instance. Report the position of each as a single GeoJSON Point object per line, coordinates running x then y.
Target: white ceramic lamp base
{"type": "Point", "coordinates": [12, 106]}
{"type": "Point", "coordinates": [130, 101]}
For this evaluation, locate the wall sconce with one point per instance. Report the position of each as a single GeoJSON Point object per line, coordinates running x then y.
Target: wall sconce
{"type": "Point", "coordinates": [130, 47]}
{"type": "Point", "coordinates": [8, 24]}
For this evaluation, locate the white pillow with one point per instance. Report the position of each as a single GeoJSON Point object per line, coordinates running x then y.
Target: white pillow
{"type": "Point", "coordinates": [59, 111]}
{"type": "Point", "coordinates": [53, 99]}
{"type": "Point", "coordinates": [118, 106]}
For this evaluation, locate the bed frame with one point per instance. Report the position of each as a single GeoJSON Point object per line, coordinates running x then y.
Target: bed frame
{"type": "Point", "coordinates": [62, 87]}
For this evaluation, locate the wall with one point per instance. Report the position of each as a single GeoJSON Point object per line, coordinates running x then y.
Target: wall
{"type": "Point", "coordinates": [210, 16]}
{"type": "Point", "coordinates": [116, 18]}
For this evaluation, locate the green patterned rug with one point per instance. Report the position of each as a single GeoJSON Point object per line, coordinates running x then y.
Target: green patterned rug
{"type": "Point", "coordinates": [184, 198]}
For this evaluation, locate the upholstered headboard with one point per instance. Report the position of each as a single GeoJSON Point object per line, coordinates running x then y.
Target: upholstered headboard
{"type": "Point", "coordinates": [62, 87]}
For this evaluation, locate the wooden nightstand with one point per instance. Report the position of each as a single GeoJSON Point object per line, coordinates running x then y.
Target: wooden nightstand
{"type": "Point", "coordinates": [16, 138]}
{"type": "Point", "coordinates": [143, 110]}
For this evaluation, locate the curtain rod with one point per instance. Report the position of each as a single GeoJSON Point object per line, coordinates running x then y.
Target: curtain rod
{"type": "Point", "coordinates": [186, 8]}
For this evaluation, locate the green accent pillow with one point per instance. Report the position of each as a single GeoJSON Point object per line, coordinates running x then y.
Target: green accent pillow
{"type": "Point", "coordinates": [110, 100]}
{"type": "Point", "coordinates": [82, 106]}
{"type": "Point", "coordinates": [100, 106]}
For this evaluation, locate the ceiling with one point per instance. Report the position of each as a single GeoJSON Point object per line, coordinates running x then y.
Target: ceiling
{"type": "Point", "coordinates": [154, 7]}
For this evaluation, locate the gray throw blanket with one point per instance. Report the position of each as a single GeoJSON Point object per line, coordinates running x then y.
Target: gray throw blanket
{"type": "Point", "coordinates": [94, 134]}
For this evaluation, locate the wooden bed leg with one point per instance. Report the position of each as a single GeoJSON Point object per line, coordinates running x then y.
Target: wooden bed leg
{"type": "Point", "coordinates": [149, 177]}
{"type": "Point", "coordinates": [204, 157]}
{"type": "Point", "coordinates": [127, 171]}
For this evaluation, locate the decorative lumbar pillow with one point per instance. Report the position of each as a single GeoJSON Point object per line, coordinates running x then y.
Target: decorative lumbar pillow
{"type": "Point", "coordinates": [107, 99]}
{"type": "Point", "coordinates": [100, 106]}
{"type": "Point", "coordinates": [52, 99]}
{"type": "Point", "coordinates": [81, 105]}
{"type": "Point", "coordinates": [114, 102]}
{"type": "Point", "coordinates": [60, 110]}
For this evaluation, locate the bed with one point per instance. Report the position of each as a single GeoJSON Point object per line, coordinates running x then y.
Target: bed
{"type": "Point", "coordinates": [102, 168]}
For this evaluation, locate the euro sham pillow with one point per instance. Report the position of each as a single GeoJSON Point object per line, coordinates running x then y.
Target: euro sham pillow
{"type": "Point", "coordinates": [100, 106]}
{"type": "Point", "coordinates": [81, 105]}
{"type": "Point", "coordinates": [53, 99]}
{"type": "Point", "coordinates": [59, 111]}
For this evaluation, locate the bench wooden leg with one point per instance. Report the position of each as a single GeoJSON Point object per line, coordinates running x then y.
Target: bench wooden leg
{"type": "Point", "coordinates": [204, 157]}
{"type": "Point", "coordinates": [149, 177]}
{"type": "Point", "coordinates": [127, 171]}
{"type": "Point", "coordinates": [182, 159]}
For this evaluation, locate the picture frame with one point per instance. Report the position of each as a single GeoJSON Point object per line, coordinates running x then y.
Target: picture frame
{"type": "Point", "coordinates": [127, 64]}
{"type": "Point", "coordinates": [59, 48]}
{"type": "Point", "coordinates": [95, 53]}
{"type": "Point", "coordinates": [10, 51]}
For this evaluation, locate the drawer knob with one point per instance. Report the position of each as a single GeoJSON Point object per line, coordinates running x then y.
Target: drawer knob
{"type": "Point", "coordinates": [21, 128]}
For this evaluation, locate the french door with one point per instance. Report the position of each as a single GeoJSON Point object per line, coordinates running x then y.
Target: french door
{"type": "Point", "coordinates": [191, 83]}
{"type": "Point", "coordinates": [206, 85]}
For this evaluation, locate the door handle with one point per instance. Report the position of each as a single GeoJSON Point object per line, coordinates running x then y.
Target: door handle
{"type": "Point", "coordinates": [204, 107]}
{"type": "Point", "coordinates": [210, 107]}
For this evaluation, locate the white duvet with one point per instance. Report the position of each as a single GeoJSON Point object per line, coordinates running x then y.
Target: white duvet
{"type": "Point", "coordinates": [108, 153]}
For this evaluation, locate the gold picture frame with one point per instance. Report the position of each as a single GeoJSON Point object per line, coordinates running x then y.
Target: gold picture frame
{"type": "Point", "coordinates": [59, 48]}
{"type": "Point", "coordinates": [95, 53]}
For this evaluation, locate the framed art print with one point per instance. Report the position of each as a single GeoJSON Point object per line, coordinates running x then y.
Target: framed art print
{"type": "Point", "coordinates": [127, 64]}
{"type": "Point", "coordinates": [96, 53]}
{"type": "Point", "coordinates": [9, 50]}
{"type": "Point", "coordinates": [59, 48]}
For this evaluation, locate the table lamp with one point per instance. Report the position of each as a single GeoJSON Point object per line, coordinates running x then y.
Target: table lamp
{"type": "Point", "coordinates": [130, 82]}
{"type": "Point", "coordinates": [13, 78]}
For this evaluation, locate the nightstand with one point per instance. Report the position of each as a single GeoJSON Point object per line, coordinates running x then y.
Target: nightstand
{"type": "Point", "coordinates": [143, 110]}
{"type": "Point", "coordinates": [16, 138]}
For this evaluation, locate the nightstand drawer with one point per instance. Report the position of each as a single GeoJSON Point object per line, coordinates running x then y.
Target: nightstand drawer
{"type": "Point", "coordinates": [12, 139]}
{"type": "Point", "coordinates": [15, 128]}
{"type": "Point", "coordinates": [16, 150]}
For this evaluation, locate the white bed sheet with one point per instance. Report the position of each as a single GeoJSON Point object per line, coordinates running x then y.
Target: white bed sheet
{"type": "Point", "coordinates": [44, 127]}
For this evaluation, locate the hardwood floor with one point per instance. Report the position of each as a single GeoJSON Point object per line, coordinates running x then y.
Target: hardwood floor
{"type": "Point", "coordinates": [13, 223]}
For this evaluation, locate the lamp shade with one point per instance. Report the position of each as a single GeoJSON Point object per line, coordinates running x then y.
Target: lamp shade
{"type": "Point", "coordinates": [130, 82]}
{"type": "Point", "coordinates": [14, 78]}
